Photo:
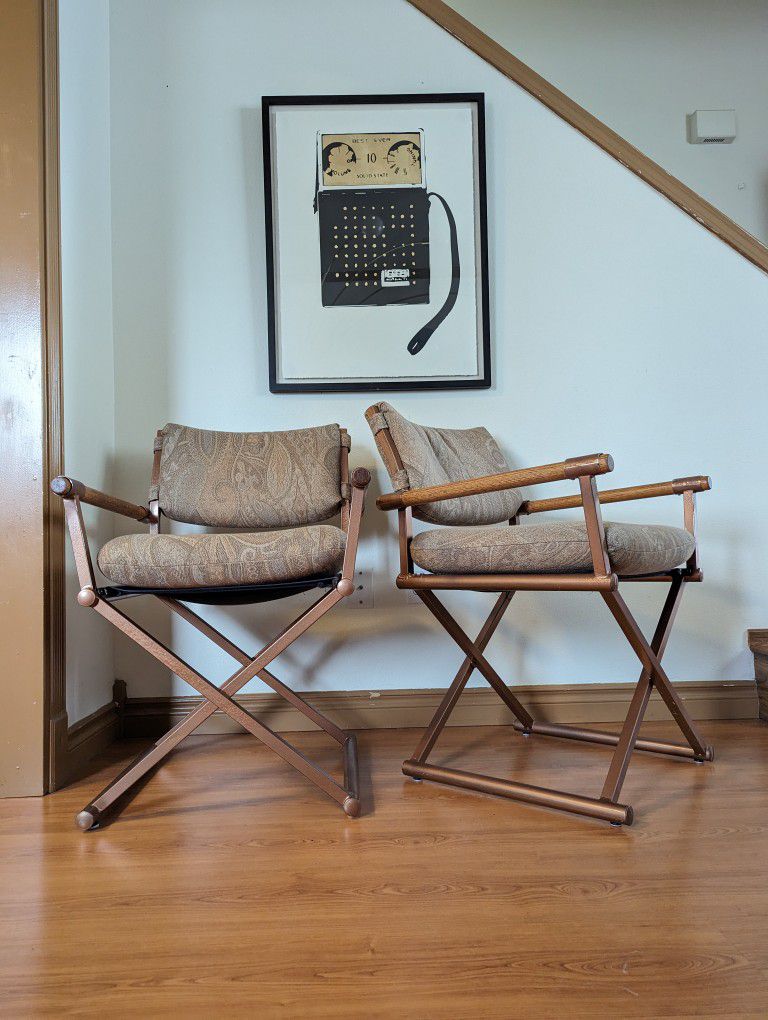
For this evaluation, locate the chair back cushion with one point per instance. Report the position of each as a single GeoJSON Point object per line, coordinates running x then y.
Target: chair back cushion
{"type": "Point", "coordinates": [433, 456]}
{"type": "Point", "coordinates": [250, 479]}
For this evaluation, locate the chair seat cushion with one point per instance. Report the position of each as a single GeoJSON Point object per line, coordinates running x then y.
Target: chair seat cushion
{"type": "Point", "coordinates": [204, 560]}
{"type": "Point", "coordinates": [557, 547]}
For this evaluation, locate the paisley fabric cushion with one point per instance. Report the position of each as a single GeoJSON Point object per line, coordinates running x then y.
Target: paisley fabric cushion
{"type": "Point", "coordinates": [433, 456]}
{"type": "Point", "coordinates": [250, 479]}
{"type": "Point", "coordinates": [199, 561]}
{"type": "Point", "coordinates": [555, 547]}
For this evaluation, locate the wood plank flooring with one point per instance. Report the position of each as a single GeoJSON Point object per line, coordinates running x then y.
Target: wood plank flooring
{"type": "Point", "coordinates": [229, 887]}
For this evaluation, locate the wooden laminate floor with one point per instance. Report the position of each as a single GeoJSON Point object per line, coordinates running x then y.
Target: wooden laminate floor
{"type": "Point", "coordinates": [230, 887]}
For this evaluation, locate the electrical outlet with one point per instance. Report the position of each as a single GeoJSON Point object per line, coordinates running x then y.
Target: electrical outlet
{"type": "Point", "coordinates": [362, 596]}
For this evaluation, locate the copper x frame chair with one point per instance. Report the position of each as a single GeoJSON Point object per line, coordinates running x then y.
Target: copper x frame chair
{"type": "Point", "coordinates": [353, 486]}
{"type": "Point", "coordinates": [602, 579]}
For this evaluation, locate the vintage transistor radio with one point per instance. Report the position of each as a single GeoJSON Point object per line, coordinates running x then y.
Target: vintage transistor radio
{"type": "Point", "coordinates": [373, 210]}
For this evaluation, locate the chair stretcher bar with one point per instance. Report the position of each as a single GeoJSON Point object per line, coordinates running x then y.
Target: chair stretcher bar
{"type": "Point", "coordinates": [508, 582]}
{"type": "Point", "coordinates": [617, 814]}
{"type": "Point", "coordinates": [612, 739]}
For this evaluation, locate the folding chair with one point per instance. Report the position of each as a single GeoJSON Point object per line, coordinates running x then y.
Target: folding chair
{"type": "Point", "coordinates": [276, 480]}
{"type": "Point", "coordinates": [459, 479]}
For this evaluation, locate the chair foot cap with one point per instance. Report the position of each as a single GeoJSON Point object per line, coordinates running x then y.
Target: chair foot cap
{"type": "Point", "coordinates": [351, 807]}
{"type": "Point", "coordinates": [627, 819]}
{"type": "Point", "coordinates": [86, 820]}
{"type": "Point", "coordinates": [709, 755]}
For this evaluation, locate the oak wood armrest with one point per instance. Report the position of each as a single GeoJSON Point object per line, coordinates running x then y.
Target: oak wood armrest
{"type": "Point", "coordinates": [697, 483]}
{"type": "Point", "coordinates": [69, 488]}
{"type": "Point", "coordinates": [574, 467]}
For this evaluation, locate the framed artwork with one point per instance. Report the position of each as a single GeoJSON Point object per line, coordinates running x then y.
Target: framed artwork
{"type": "Point", "coordinates": [377, 252]}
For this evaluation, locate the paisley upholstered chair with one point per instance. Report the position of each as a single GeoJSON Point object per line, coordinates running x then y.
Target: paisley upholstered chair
{"type": "Point", "coordinates": [282, 488]}
{"type": "Point", "coordinates": [459, 480]}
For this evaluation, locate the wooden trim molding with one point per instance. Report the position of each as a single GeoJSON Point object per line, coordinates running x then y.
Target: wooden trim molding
{"type": "Point", "coordinates": [588, 125]}
{"type": "Point", "coordinates": [758, 644]}
{"type": "Point", "coordinates": [58, 739]}
{"type": "Point", "coordinates": [92, 735]}
{"type": "Point", "coordinates": [363, 710]}
{"type": "Point", "coordinates": [31, 548]}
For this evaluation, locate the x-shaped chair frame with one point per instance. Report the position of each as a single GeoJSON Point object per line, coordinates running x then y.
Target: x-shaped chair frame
{"type": "Point", "coordinates": [602, 579]}
{"type": "Point", "coordinates": [220, 698]}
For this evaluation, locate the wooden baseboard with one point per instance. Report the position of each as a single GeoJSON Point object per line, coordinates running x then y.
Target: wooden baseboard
{"type": "Point", "coordinates": [93, 734]}
{"type": "Point", "coordinates": [758, 643]}
{"type": "Point", "coordinates": [564, 703]}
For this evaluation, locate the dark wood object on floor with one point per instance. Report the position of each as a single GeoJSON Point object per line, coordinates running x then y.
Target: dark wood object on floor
{"type": "Point", "coordinates": [603, 579]}
{"type": "Point", "coordinates": [758, 643]}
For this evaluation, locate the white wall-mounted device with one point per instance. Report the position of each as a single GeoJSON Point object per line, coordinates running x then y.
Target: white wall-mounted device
{"type": "Point", "coordinates": [711, 127]}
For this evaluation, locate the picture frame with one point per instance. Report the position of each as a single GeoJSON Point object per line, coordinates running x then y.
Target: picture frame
{"type": "Point", "coordinates": [376, 242]}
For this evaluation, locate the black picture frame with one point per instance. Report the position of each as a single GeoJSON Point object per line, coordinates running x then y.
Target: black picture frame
{"type": "Point", "coordinates": [482, 381]}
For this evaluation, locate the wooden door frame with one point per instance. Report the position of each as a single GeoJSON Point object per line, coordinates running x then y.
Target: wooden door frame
{"type": "Point", "coordinates": [57, 722]}
{"type": "Point", "coordinates": [33, 725]}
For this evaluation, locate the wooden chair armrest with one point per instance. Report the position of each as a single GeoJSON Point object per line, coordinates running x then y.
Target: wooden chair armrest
{"type": "Point", "coordinates": [574, 467]}
{"type": "Point", "coordinates": [697, 483]}
{"type": "Point", "coordinates": [69, 488]}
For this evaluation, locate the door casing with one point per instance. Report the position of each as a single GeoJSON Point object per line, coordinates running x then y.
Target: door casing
{"type": "Point", "coordinates": [33, 724]}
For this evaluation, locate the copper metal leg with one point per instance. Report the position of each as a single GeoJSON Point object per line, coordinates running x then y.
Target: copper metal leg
{"type": "Point", "coordinates": [606, 806]}
{"type": "Point", "coordinates": [628, 739]}
{"type": "Point", "coordinates": [439, 611]}
{"type": "Point", "coordinates": [650, 661]}
{"type": "Point", "coordinates": [418, 768]}
{"type": "Point", "coordinates": [263, 674]}
{"type": "Point", "coordinates": [466, 669]}
{"type": "Point", "coordinates": [221, 698]}
{"type": "Point", "coordinates": [351, 804]}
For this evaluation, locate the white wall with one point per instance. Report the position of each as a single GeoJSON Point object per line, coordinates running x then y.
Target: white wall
{"type": "Point", "coordinates": [88, 365]}
{"type": "Point", "coordinates": [642, 66]}
{"type": "Point", "coordinates": [618, 324]}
